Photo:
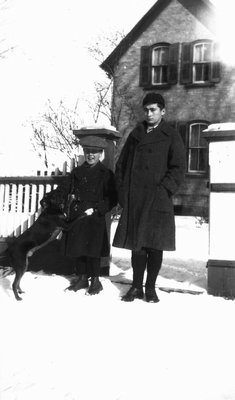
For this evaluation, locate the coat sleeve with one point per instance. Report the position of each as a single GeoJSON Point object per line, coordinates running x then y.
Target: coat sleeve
{"type": "Point", "coordinates": [176, 165]}
{"type": "Point", "coordinates": [109, 195]}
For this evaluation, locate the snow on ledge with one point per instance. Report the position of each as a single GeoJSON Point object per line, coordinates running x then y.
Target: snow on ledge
{"type": "Point", "coordinates": [225, 126]}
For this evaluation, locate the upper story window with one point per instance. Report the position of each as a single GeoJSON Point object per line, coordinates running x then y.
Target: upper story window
{"type": "Point", "coordinates": [196, 146]}
{"type": "Point", "coordinates": [199, 63]}
{"type": "Point", "coordinates": [160, 59]}
{"type": "Point", "coordinates": [159, 65]}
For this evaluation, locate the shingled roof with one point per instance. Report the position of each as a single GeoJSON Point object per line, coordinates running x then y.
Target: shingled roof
{"type": "Point", "coordinates": [203, 10]}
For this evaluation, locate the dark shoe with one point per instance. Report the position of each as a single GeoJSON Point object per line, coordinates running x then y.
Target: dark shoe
{"type": "Point", "coordinates": [151, 296]}
{"type": "Point", "coordinates": [95, 286]}
{"type": "Point", "coordinates": [80, 283]}
{"type": "Point", "coordinates": [132, 294]}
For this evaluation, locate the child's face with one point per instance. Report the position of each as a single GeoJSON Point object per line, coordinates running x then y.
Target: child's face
{"type": "Point", "coordinates": [92, 156]}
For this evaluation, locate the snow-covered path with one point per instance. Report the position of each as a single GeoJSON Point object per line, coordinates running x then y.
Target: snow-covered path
{"type": "Point", "coordinates": [61, 345]}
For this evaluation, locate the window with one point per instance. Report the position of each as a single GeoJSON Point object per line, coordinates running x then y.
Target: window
{"type": "Point", "coordinates": [197, 149]}
{"type": "Point", "coordinates": [159, 65]}
{"type": "Point", "coordinates": [199, 63]}
{"type": "Point", "coordinates": [160, 56]}
{"type": "Point", "coordinates": [196, 146]}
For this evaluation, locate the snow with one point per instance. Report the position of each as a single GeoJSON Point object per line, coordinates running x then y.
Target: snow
{"type": "Point", "coordinates": [58, 344]}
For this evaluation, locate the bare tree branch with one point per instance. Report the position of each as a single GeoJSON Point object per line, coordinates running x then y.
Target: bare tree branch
{"type": "Point", "coordinates": [54, 131]}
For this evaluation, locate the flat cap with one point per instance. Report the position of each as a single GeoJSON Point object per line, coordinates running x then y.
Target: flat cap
{"type": "Point", "coordinates": [154, 98]}
{"type": "Point", "coordinates": [94, 142]}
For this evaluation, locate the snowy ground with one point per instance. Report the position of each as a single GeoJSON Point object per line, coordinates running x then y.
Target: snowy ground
{"type": "Point", "coordinates": [61, 345]}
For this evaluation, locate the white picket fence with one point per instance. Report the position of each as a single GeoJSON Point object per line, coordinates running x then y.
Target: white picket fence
{"type": "Point", "coordinates": [20, 199]}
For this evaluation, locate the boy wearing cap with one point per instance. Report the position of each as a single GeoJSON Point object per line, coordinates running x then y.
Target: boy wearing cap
{"type": "Point", "coordinates": [92, 188]}
{"type": "Point", "coordinates": [150, 169]}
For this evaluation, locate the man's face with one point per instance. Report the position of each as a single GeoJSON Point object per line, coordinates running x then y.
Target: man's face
{"type": "Point", "coordinates": [153, 114]}
{"type": "Point", "coordinates": [92, 156]}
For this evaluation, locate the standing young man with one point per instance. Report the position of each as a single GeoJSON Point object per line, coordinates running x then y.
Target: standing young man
{"type": "Point", "coordinates": [150, 169]}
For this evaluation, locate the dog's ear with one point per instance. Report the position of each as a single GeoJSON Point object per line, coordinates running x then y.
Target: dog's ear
{"type": "Point", "coordinates": [44, 203]}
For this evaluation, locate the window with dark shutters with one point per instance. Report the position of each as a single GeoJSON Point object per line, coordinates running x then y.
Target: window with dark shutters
{"type": "Point", "coordinates": [159, 65]}
{"type": "Point", "coordinates": [199, 63]}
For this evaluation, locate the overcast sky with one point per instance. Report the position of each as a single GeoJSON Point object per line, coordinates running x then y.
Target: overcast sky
{"type": "Point", "coordinates": [50, 59]}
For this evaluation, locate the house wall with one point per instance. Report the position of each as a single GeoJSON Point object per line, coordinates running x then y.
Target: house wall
{"type": "Point", "coordinates": [214, 104]}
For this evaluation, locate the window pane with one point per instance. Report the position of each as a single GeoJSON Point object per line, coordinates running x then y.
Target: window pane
{"type": "Point", "coordinates": [156, 75]}
{"type": "Point", "coordinates": [156, 56]}
{"type": "Point", "coordinates": [203, 142]}
{"type": "Point", "coordinates": [206, 69]}
{"type": "Point", "coordinates": [193, 156]}
{"type": "Point", "coordinates": [198, 73]}
{"type": "Point", "coordinates": [194, 136]}
{"type": "Point", "coordinates": [207, 52]}
{"type": "Point", "coordinates": [201, 72]}
{"type": "Point", "coordinates": [164, 55]}
{"type": "Point", "coordinates": [160, 75]}
{"type": "Point", "coordinates": [160, 55]}
{"type": "Point", "coordinates": [198, 53]}
{"type": "Point", "coordinates": [202, 161]}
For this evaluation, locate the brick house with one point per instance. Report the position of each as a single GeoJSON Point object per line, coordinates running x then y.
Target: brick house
{"type": "Point", "coordinates": [174, 50]}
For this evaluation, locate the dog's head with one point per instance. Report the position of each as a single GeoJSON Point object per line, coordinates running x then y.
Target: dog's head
{"type": "Point", "coordinates": [53, 202]}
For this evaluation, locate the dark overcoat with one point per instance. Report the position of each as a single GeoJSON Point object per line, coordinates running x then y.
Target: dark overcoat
{"type": "Point", "coordinates": [150, 169]}
{"type": "Point", "coordinates": [92, 187]}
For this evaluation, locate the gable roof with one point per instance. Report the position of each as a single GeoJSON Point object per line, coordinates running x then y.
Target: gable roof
{"type": "Point", "coordinates": [203, 10]}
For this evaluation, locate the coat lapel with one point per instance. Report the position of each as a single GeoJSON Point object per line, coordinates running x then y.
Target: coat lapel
{"type": "Point", "coordinates": [162, 132]}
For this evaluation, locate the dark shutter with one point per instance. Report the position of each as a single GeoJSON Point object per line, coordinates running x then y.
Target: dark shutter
{"type": "Point", "coordinates": [215, 65]}
{"type": "Point", "coordinates": [182, 128]}
{"type": "Point", "coordinates": [145, 66]}
{"type": "Point", "coordinates": [186, 64]}
{"type": "Point", "coordinates": [173, 63]}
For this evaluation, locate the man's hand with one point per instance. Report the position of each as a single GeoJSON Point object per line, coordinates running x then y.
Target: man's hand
{"type": "Point", "coordinates": [89, 211]}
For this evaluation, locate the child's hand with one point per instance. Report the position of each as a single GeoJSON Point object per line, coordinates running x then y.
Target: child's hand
{"type": "Point", "coordinates": [89, 211]}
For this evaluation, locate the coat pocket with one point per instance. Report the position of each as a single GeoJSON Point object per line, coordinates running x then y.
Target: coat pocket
{"type": "Point", "coordinates": [163, 200]}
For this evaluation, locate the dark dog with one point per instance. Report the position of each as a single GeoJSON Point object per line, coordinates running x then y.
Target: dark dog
{"type": "Point", "coordinates": [46, 228]}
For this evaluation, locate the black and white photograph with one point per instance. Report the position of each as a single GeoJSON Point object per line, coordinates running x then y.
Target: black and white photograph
{"type": "Point", "coordinates": [117, 200]}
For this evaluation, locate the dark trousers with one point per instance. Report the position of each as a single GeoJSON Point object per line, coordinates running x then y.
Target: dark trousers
{"type": "Point", "coordinates": [88, 266]}
{"type": "Point", "coordinates": [149, 259]}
